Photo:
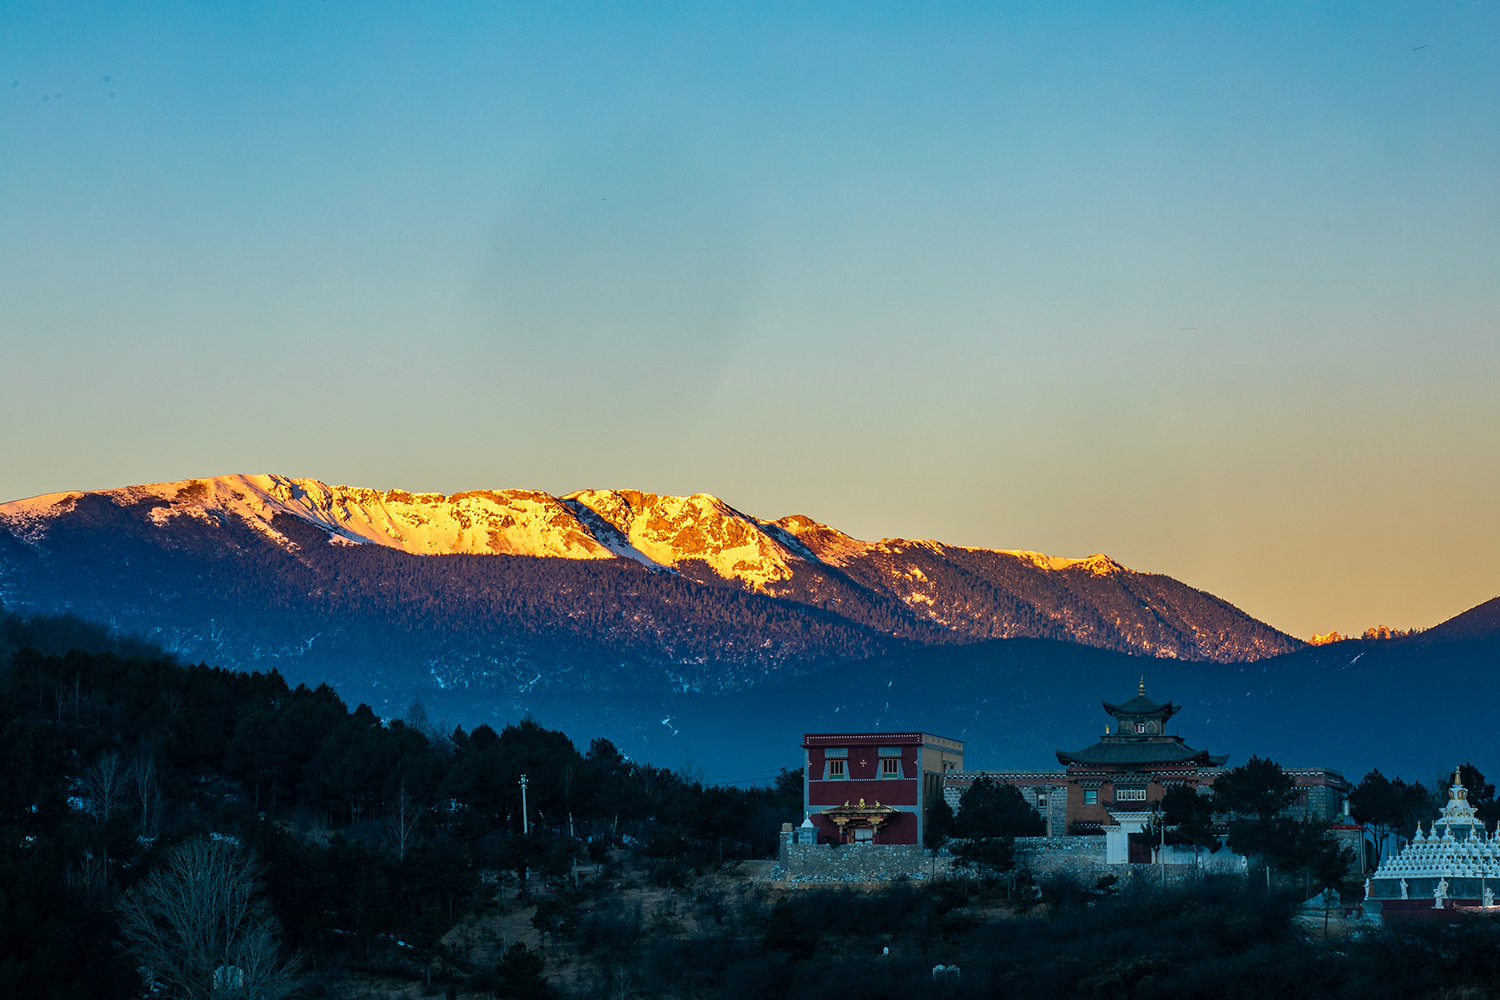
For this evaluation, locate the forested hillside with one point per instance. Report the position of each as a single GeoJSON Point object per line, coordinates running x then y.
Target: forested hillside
{"type": "Point", "coordinates": [369, 832]}
{"type": "Point", "coordinates": [392, 595]}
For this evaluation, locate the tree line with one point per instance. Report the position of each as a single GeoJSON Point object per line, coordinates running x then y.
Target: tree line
{"type": "Point", "coordinates": [365, 831]}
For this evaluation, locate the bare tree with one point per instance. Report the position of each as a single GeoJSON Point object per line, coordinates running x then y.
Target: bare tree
{"type": "Point", "coordinates": [403, 820]}
{"type": "Point", "coordinates": [106, 783]}
{"type": "Point", "coordinates": [147, 784]}
{"type": "Point", "coordinates": [199, 931]}
{"type": "Point", "coordinates": [621, 986]}
{"type": "Point", "coordinates": [90, 877]}
{"type": "Point", "coordinates": [417, 718]}
{"type": "Point", "coordinates": [437, 731]}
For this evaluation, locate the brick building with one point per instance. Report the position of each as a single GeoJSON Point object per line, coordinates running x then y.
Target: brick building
{"type": "Point", "coordinates": [874, 788]}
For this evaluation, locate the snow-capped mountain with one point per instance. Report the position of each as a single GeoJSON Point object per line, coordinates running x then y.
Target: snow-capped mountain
{"type": "Point", "coordinates": [654, 530]}
{"type": "Point", "coordinates": [598, 587]}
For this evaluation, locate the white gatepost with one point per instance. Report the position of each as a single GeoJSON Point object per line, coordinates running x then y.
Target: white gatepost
{"type": "Point", "coordinates": [1117, 837]}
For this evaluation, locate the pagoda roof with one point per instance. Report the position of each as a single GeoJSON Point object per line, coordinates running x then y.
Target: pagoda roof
{"type": "Point", "coordinates": [1141, 752]}
{"type": "Point", "coordinates": [1141, 705]}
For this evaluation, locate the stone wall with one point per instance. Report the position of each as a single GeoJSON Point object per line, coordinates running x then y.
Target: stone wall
{"type": "Point", "coordinates": [1049, 855]}
{"type": "Point", "coordinates": [856, 862]}
{"type": "Point", "coordinates": [1042, 857]}
{"type": "Point", "coordinates": [1083, 859]}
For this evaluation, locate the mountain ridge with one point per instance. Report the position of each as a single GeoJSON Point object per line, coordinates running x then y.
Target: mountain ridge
{"type": "Point", "coordinates": [594, 590]}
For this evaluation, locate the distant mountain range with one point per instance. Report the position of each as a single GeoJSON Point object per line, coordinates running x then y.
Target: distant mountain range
{"type": "Point", "coordinates": [684, 629]}
{"type": "Point", "coordinates": [518, 590]}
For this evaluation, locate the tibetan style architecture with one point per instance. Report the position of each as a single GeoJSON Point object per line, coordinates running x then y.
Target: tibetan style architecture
{"type": "Point", "coordinates": [1453, 866]}
{"type": "Point", "coordinates": [873, 788]}
{"type": "Point", "coordinates": [1111, 786]}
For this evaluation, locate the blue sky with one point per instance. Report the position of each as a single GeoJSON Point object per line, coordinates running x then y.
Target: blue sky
{"type": "Point", "coordinates": [1210, 288]}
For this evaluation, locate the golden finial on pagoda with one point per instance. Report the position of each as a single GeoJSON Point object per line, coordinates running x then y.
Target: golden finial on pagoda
{"type": "Point", "coordinates": [1142, 691]}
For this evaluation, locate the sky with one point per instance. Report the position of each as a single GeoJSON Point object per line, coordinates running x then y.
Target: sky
{"type": "Point", "coordinates": [1211, 288]}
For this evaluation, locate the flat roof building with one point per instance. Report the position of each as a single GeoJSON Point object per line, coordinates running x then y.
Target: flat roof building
{"type": "Point", "coordinates": [874, 788]}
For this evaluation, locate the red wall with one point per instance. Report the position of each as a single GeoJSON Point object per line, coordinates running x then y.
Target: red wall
{"type": "Point", "coordinates": [864, 782]}
{"type": "Point", "coordinates": [890, 792]}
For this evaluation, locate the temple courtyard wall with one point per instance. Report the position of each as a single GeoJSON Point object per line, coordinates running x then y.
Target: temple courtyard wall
{"type": "Point", "coordinates": [1082, 858]}
{"type": "Point", "coordinates": [858, 863]}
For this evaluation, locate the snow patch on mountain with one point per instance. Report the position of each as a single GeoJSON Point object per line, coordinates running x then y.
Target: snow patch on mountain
{"type": "Point", "coordinates": [700, 528]}
{"type": "Point", "coordinates": [828, 544]}
{"type": "Point", "coordinates": [508, 522]}
{"type": "Point", "coordinates": [1097, 564]}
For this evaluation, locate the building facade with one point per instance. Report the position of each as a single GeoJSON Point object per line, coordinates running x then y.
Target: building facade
{"type": "Point", "coordinates": [874, 788]}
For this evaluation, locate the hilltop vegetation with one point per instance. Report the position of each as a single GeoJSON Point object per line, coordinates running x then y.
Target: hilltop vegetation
{"type": "Point", "coordinates": [376, 856]}
{"type": "Point", "coordinates": [372, 832]}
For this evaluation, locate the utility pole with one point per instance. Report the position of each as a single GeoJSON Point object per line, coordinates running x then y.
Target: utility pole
{"type": "Point", "coordinates": [525, 823]}
{"type": "Point", "coordinates": [1161, 854]}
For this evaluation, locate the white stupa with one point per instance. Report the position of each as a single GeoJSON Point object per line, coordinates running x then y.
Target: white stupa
{"type": "Point", "coordinates": [1447, 863]}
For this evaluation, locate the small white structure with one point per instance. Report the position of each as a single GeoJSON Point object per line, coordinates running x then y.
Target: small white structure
{"type": "Point", "coordinates": [1117, 837]}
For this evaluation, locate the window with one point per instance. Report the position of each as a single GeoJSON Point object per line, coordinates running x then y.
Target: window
{"type": "Point", "coordinates": [1091, 796]}
{"type": "Point", "coordinates": [1140, 727]}
{"type": "Point", "coordinates": [1129, 794]}
{"type": "Point", "coordinates": [890, 767]}
{"type": "Point", "coordinates": [950, 765]}
{"type": "Point", "coordinates": [835, 768]}
{"type": "Point", "coordinates": [1302, 799]}
{"type": "Point", "coordinates": [1041, 802]}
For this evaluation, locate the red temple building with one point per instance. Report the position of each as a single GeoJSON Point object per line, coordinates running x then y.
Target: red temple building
{"type": "Point", "coordinates": [874, 788]}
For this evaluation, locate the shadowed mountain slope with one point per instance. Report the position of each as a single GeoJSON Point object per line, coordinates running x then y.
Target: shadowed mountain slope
{"type": "Point", "coordinates": [1480, 622]}
{"type": "Point", "coordinates": [1410, 709]}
